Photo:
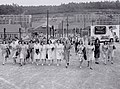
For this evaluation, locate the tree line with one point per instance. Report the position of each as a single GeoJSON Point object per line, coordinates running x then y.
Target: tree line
{"type": "Point", "coordinates": [63, 8]}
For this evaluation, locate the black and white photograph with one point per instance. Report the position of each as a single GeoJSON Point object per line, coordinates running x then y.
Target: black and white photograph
{"type": "Point", "coordinates": [59, 44]}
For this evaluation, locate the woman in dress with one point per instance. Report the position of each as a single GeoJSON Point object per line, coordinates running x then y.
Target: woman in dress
{"type": "Point", "coordinates": [14, 50]}
{"type": "Point", "coordinates": [50, 52]}
{"type": "Point", "coordinates": [36, 52]}
{"type": "Point", "coordinates": [97, 50]}
{"type": "Point", "coordinates": [43, 53]}
{"type": "Point", "coordinates": [4, 47]}
{"type": "Point", "coordinates": [23, 53]}
{"type": "Point", "coordinates": [111, 50]}
{"type": "Point", "coordinates": [80, 53]}
{"type": "Point", "coordinates": [59, 52]}
{"type": "Point", "coordinates": [105, 52]}
{"type": "Point", "coordinates": [31, 50]}
{"type": "Point", "coordinates": [27, 57]}
{"type": "Point", "coordinates": [90, 53]}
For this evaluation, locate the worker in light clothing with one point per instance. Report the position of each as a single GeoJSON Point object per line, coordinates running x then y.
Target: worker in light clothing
{"type": "Point", "coordinates": [59, 52]}
{"type": "Point", "coordinates": [50, 52]}
{"type": "Point", "coordinates": [43, 53]}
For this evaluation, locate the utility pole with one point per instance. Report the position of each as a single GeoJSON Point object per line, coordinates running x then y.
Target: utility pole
{"type": "Point", "coordinates": [47, 24]}
{"type": "Point", "coordinates": [62, 29]}
{"type": "Point", "coordinates": [4, 33]}
{"type": "Point", "coordinates": [84, 21]}
{"type": "Point", "coordinates": [67, 26]}
{"type": "Point", "coordinates": [20, 34]}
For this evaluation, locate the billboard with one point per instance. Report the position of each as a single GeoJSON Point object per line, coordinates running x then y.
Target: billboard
{"type": "Point", "coordinates": [105, 32]}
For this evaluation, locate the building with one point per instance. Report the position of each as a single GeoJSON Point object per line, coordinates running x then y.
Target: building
{"type": "Point", "coordinates": [11, 30]}
{"type": "Point", "coordinates": [23, 20]}
{"type": "Point", "coordinates": [87, 19]}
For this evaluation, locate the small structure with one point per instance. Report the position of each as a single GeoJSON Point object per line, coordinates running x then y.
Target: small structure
{"type": "Point", "coordinates": [8, 31]}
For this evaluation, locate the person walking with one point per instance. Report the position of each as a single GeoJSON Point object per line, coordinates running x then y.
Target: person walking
{"type": "Point", "coordinates": [90, 53]}
{"type": "Point", "coordinates": [80, 52]}
{"type": "Point", "coordinates": [105, 52]}
{"type": "Point", "coordinates": [59, 52]}
{"type": "Point", "coordinates": [67, 47]}
{"type": "Point", "coordinates": [97, 50]}
{"type": "Point", "coordinates": [111, 51]}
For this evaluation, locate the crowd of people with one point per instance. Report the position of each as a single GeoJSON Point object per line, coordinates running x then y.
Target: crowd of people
{"type": "Point", "coordinates": [42, 52]}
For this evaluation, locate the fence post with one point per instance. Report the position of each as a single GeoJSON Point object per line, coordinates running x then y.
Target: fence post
{"type": "Point", "coordinates": [4, 33]}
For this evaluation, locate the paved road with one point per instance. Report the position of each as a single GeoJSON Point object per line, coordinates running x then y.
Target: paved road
{"type": "Point", "coordinates": [53, 77]}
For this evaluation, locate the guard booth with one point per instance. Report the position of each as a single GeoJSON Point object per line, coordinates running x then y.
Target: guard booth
{"type": "Point", "coordinates": [10, 31]}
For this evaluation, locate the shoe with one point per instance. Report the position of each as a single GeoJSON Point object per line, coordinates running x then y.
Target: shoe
{"type": "Point", "coordinates": [80, 67]}
{"type": "Point", "coordinates": [42, 64]}
{"type": "Point", "coordinates": [3, 64]}
{"type": "Point", "coordinates": [49, 64]}
{"type": "Point", "coordinates": [111, 62]}
{"type": "Point", "coordinates": [66, 66]}
{"type": "Point", "coordinates": [96, 62]}
{"type": "Point", "coordinates": [91, 68]}
{"type": "Point", "coordinates": [57, 64]}
{"type": "Point", "coordinates": [105, 63]}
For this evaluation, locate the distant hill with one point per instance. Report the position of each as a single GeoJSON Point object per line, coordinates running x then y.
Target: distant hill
{"type": "Point", "coordinates": [63, 8]}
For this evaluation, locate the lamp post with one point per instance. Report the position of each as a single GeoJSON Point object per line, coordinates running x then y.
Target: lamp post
{"type": "Point", "coordinates": [47, 24]}
{"type": "Point", "coordinates": [62, 29]}
{"type": "Point", "coordinates": [67, 26]}
{"type": "Point", "coordinates": [20, 33]}
{"type": "Point", "coordinates": [4, 33]}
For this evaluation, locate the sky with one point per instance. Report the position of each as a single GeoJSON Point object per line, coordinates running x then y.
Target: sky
{"type": "Point", "coordinates": [44, 2]}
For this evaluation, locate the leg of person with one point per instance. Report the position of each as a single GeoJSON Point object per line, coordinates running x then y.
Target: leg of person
{"type": "Point", "coordinates": [42, 62]}
{"type": "Point", "coordinates": [81, 61]}
{"type": "Point", "coordinates": [106, 58]}
{"type": "Point", "coordinates": [96, 61]}
{"type": "Point", "coordinates": [4, 59]}
{"type": "Point", "coordinates": [91, 65]}
{"type": "Point", "coordinates": [21, 62]}
{"type": "Point", "coordinates": [14, 60]}
{"type": "Point", "coordinates": [111, 60]}
{"type": "Point", "coordinates": [57, 62]}
{"type": "Point", "coordinates": [88, 63]}
{"type": "Point", "coordinates": [37, 60]}
{"type": "Point", "coordinates": [49, 62]}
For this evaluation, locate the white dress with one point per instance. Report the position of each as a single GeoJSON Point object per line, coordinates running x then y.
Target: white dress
{"type": "Point", "coordinates": [59, 51]}
{"type": "Point", "coordinates": [14, 49]}
{"type": "Point", "coordinates": [51, 51]}
{"type": "Point", "coordinates": [36, 51]}
{"type": "Point", "coordinates": [80, 52]}
{"type": "Point", "coordinates": [40, 50]}
{"type": "Point", "coordinates": [43, 52]}
{"type": "Point", "coordinates": [23, 51]}
{"type": "Point", "coordinates": [90, 52]}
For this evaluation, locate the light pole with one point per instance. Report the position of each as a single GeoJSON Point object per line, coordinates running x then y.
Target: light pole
{"type": "Point", "coordinates": [67, 26]}
{"type": "Point", "coordinates": [47, 24]}
{"type": "Point", "coordinates": [62, 29]}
